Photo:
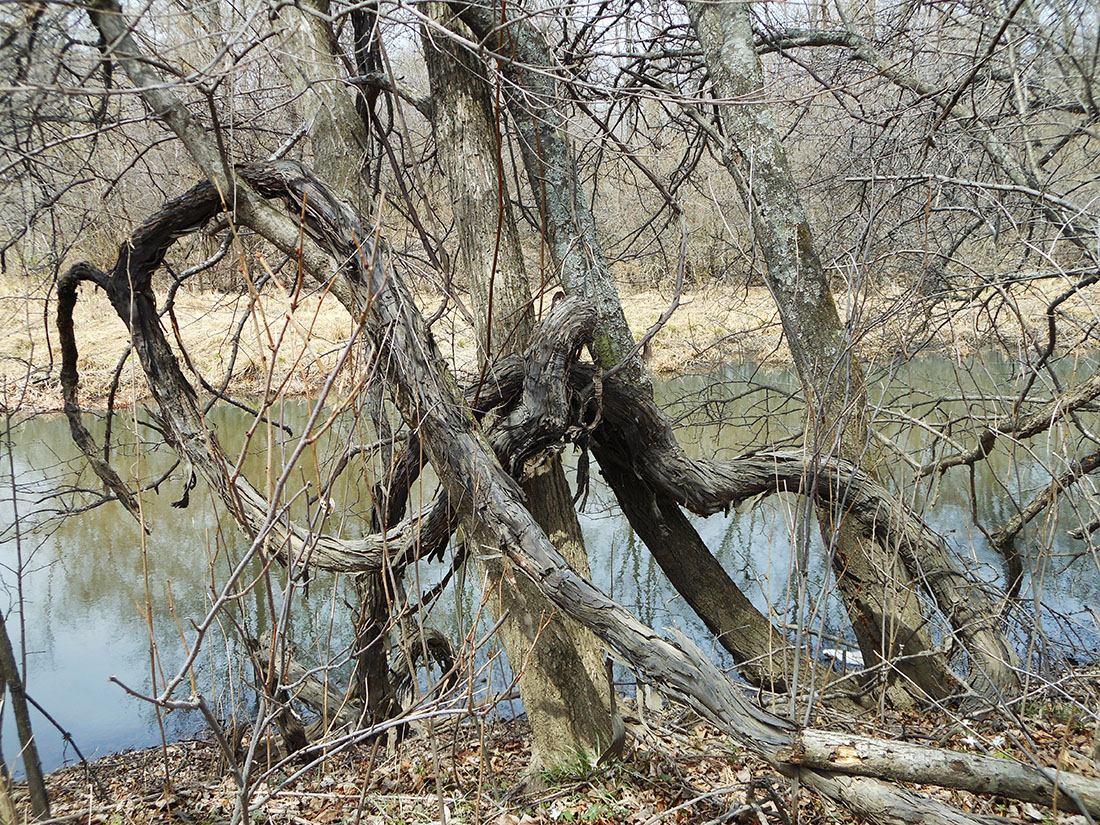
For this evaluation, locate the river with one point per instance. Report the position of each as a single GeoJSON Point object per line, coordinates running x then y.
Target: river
{"type": "Point", "coordinates": [88, 597]}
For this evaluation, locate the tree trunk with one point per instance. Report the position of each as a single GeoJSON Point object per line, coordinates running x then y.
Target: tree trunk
{"type": "Point", "coordinates": [338, 133]}
{"type": "Point", "coordinates": [764, 655]}
{"type": "Point", "coordinates": [885, 612]}
{"type": "Point", "coordinates": [9, 671]}
{"type": "Point", "coordinates": [340, 138]}
{"type": "Point", "coordinates": [559, 663]}
{"type": "Point", "coordinates": [568, 226]}
{"type": "Point", "coordinates": [570, 229]}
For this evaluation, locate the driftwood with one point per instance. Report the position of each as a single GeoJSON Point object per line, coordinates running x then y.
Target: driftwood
{"type": "Point", "coordinates": [482, 492]}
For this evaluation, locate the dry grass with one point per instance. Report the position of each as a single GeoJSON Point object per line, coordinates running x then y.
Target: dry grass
{"type": "Point", "coordinates": [297, 345]}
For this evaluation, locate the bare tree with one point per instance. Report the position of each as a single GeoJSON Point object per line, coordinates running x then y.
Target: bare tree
{"type": "Point", "coordinates": [576, 99]}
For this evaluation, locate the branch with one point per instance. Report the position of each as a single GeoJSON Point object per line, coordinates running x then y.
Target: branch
{"type": "Point", "coordinates": [1025, 426]}
{"type": "Point", "coordinates": [66, 300]}
{"type": "Point", "coordinates": [1004, 537]}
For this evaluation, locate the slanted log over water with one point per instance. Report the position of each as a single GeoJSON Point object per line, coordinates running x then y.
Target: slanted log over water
{"type": "Point", "coordinates": [479, 489]}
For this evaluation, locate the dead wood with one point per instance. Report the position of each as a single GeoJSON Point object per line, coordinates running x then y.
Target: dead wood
{"type": "Point", "coordinates": [977, 773]}
{"type": "Point", "coordinates": [481, 491]}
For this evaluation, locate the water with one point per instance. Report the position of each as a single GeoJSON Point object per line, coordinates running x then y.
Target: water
{"type": "Point", "coordinates": [87, 579]}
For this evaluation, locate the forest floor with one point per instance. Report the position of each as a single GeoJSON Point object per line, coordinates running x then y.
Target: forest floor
{"type": "Point", "coordinates": [676, 770]}
{"type": "Point", "coordinates": [289, 347]}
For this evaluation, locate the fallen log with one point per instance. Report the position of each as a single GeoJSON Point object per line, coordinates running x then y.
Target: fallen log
{"type": "Point", "coordinates": [483, 493]}
{"type": "Point", "coordinates": [977, 773]}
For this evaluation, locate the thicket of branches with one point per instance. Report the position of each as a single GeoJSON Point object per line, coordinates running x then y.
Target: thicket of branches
{"type": "Point", "coordinates": [944, 155]}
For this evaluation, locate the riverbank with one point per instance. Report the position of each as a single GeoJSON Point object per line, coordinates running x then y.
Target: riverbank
{"type": "Point", "coordinates": [676, 770]}
{"type": "Point", "coordinates": [276, 345]}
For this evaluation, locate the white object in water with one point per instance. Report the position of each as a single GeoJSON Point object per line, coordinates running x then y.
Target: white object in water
{"type": "Point", "coordinates": [844, 657]}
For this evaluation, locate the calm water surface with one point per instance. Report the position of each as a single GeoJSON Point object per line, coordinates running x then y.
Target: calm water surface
{"type": "Point", "coordinates": [96, 596]}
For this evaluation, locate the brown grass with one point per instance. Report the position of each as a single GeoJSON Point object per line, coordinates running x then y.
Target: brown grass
{"type": "Point", "coordinates": [297, 346]}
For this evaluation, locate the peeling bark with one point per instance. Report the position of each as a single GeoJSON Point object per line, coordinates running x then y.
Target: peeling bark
{"type": "Point", "coordinates": [129, 290]}
{"type": "Point", "coordinates": [532, 96]}
{"type": "Point", "coordinates": [977, 773]}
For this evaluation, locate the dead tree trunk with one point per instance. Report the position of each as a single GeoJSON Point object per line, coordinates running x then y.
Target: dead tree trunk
{"type": "Point", "coordinates": [554, 395]}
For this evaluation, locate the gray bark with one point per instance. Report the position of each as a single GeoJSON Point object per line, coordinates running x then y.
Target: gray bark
{"type": "Point", "coordinates": [977, 773]}
{"type": "Point", "coordinates": [340, 139]}
{"type": "Point", "coordinates": [533, 99]}
{"type": "Point", "coordinates": [568, 225]}
{"type": "Point", "coordinates": [338, 132]}
{"type": "Point", "coordinates": [885, 615]}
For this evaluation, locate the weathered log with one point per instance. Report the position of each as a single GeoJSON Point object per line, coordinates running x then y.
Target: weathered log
{"type": "Point", "coordinates": [977, 773]}
{"type": "Point", "coordinates": [481, 490]}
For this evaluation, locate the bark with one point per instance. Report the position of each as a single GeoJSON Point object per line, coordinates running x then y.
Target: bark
{"type": "Point", "coordinates": [371, 683]}
{"type": "Point", "coordinates": [533, 99]}
{"type": "Point", "coordinates": [338, 133]}
{"type": "Point", "coordinates": [568, 226]}
{"type": "Point", "coordinates": [340, 138]}
{"type": "Point", "coordinates": [468, 470]}
{"type": "Point", "coordinates": [480, 488]}
{"type": "Point", "coordinates": [977, 773]}
{"type": "Point", "coordinates": [885, 614]}
{"type": "Point", "coordinates": [83, 439]}
{"type": "Point", "coordinates": [763, 653]}
{"type": "Point", "coordinates": [633, 430]}
{"type": "Point", "coordinates": [559, 663]}
{"type": "Point", "coordinates": [13, 681]}
{"type": "Point", "coordinates": [128, 287]}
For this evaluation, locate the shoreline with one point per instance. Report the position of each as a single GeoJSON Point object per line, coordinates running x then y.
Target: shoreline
{"type": "Point", "coordinates": [290, 349]}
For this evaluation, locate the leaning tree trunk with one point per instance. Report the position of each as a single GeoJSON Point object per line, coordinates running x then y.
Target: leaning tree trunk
{"type": "Point", "coordinates": [32, 766]}
{"type": "Point", "coordinates": [885, 612]}
{"type": "Point", "coordinates": [559, 663]}
{"type": "Point", "coordinates": [532, 97]}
